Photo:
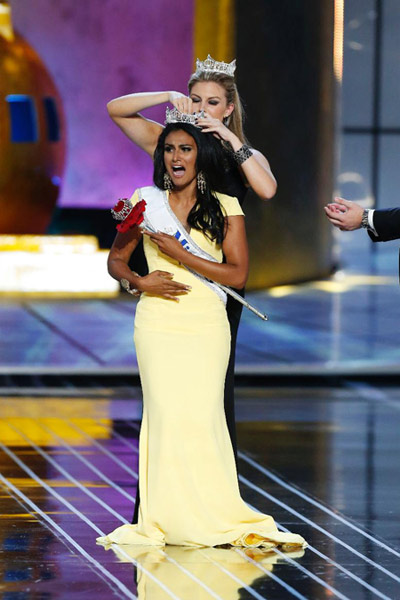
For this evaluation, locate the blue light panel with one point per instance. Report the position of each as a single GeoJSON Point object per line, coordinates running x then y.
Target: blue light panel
{"type": "Point", "coordinates": [23, 118]}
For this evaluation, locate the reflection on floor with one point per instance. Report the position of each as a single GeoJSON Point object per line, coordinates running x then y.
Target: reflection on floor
{"type": "Point", "coordinates": [323, 461]}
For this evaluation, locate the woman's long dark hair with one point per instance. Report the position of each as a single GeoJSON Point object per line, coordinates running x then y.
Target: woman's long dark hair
{"type": "Point", "coordinates": [206, 215]}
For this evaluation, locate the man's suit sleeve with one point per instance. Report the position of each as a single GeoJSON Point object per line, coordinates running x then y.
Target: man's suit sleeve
{"type": "Point", "coordinates": [387, 225]}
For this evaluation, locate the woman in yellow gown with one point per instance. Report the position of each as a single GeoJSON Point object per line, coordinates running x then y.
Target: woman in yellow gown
{"type": "Point", "coordinates": [187, 475]}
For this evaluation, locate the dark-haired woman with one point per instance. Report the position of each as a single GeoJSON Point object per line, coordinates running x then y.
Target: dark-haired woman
{"type": "Point", "coordinates": [212, 89]}
{"type": "Point", "coordinates": [187, 476]}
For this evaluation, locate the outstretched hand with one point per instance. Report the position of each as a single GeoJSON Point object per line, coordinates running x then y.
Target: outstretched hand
{"type": "Point", "coordinates": [344, 214]}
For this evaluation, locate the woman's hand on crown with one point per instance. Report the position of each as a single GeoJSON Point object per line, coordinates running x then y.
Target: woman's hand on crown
{"type": "Point", "coordinates": [183, 103]}
{"type": "Point", "coordinates": [215, 126]}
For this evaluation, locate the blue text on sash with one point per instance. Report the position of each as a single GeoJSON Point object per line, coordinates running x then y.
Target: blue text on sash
{"type": "Point", "coordinates": [184, 242]}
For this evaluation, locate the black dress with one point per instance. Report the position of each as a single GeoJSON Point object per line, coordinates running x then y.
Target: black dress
{"type": "Point", "coordinates": [232, 184]}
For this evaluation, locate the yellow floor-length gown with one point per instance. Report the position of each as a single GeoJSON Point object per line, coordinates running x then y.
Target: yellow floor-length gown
{"type": "Point", "coordinates": [189, 492]}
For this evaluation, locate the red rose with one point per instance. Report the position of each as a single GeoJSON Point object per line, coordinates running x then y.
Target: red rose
{"type": "Point", "coordinates": [134, 218]}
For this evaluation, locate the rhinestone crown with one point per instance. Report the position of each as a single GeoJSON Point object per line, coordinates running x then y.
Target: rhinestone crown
{"type": "Point", "coordinates": [175, 116]}
{"type": "Point", "coordinates": [120, 215]}
{"type": "Point", "coordinates": [214, 66]}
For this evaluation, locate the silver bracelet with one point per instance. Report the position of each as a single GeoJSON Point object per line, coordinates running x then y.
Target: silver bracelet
{"type": "Point", "coordinates": [241, 155]}
{"type": "Point", "coordinates": [127, 286]}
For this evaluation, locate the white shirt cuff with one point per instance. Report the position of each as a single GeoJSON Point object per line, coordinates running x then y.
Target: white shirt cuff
{"type": "Point", "coordinates": [371, 221]}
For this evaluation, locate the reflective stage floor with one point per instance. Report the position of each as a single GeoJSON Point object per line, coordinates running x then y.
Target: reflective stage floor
{"type": "Point", "coordinates": [323, 461]}
{"type": "Point", "coordinates": [344, 325]}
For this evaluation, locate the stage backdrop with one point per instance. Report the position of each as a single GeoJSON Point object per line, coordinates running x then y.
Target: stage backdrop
{"type": "Point", "coordinates": [95, 52]}
{"type": "Point", "coordinates": [284, 49]}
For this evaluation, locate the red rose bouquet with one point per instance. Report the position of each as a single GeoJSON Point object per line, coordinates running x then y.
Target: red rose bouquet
{"type": "Point", "coordinates": [129, 215]}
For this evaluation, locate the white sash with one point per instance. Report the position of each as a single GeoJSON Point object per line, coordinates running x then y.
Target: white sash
{"type": "Point", "coordinates": [159, 216]}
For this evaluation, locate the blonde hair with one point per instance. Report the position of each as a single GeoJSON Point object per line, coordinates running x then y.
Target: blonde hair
{"type": "Point", "coordinates": [235, 120]}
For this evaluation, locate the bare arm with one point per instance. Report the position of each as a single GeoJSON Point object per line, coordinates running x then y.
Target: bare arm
{"type": "Point", "coordinates": [258, 174]}
{"type": "Point", "coordinates": [233, 272]}
{"type": "Point", "coordinates": [124, 111]}
{"type": "Point", "coordinates": [159, 283]}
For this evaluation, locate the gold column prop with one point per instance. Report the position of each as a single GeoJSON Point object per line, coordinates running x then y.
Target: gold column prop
{"type": "Point", "coordinates": [214, 29]}
{"type": "Point", "coordinates": [30, 171]}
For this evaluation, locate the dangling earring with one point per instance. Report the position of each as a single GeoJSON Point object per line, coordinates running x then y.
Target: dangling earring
{"type": "Point", "coordinates": [225, 120]}
{"type": "Point", "coordinates": [168, 185]}
{"type": "Point", "coordinates": [201, 182]}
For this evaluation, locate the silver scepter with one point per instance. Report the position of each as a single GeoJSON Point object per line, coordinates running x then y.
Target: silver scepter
{"type": "Point", "coordinates": [239, 298]}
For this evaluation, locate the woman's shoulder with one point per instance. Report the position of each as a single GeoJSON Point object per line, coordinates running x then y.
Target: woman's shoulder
{"type": "Point", "coordinates": [230, 204]}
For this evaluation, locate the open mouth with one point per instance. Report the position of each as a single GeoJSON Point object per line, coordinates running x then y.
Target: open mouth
{"type": "Point", "coordinates": [178, 170]}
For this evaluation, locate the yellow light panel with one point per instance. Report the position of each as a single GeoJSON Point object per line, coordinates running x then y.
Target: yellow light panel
{"type": "Point", "coordinates": [54, 265]}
